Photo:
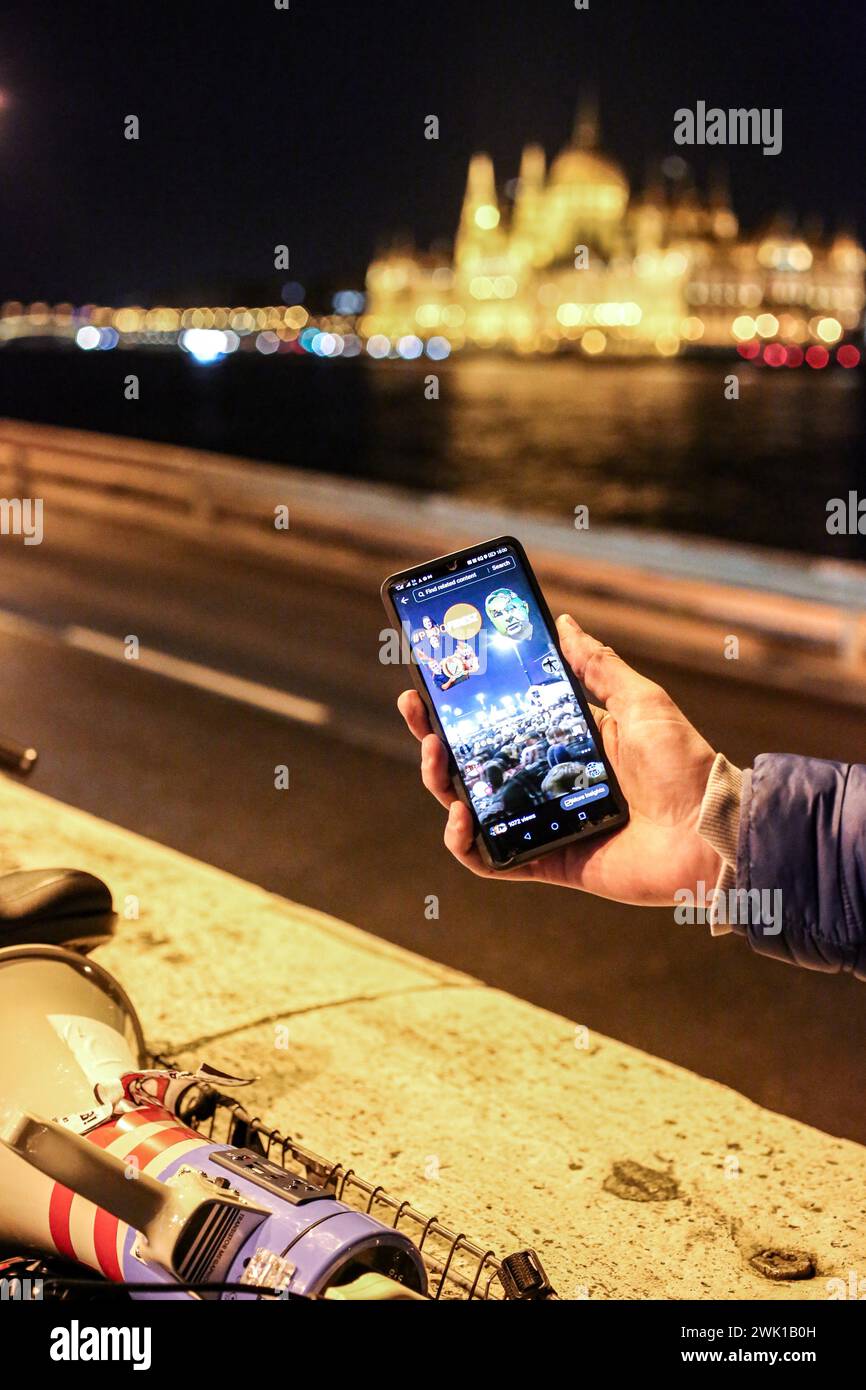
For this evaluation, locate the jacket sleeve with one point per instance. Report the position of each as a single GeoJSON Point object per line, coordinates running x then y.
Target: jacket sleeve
{"type": "Point", "coordinates": [801, 859]}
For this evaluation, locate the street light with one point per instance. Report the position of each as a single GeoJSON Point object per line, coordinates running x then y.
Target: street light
{"type": "Point", "coordinates": [505, 644]}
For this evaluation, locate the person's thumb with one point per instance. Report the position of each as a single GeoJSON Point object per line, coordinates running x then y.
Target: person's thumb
{"type": "Point", "coordinates": [597, 666]}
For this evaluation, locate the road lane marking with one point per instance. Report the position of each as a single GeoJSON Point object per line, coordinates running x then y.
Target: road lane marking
{"type": "Point", "coordinates": [266, 697]}
{"type": "Point", "coordinates": [388, 741]}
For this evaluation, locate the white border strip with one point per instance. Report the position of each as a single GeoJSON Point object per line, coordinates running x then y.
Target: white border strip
{"type": "Point", "coordinates": [266, 697]}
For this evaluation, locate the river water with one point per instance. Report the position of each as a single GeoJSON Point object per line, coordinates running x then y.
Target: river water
{"type": "Point", "coordinates": [653, 445]}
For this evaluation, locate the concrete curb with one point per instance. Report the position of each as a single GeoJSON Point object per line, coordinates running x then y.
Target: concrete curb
{"type": "Point", "coordinates": [632, 1177]}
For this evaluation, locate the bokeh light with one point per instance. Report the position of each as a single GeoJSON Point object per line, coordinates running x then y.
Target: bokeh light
{"type": "Point", "coordinates": [817, 356]}
{"type": "Point", "coordinates": [487, 217]}
{"type": "Point", "coordinates": [410, 347]}
{"type": "Point", "coordinates": [205, 344]}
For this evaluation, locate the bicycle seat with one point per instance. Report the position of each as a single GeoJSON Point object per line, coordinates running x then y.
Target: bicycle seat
{"type": "Point", "coordinates": [56, 907]}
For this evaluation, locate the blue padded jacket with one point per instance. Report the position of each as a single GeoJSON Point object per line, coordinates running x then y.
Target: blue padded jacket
{"type": "Point", "coordinates": [803, 833]}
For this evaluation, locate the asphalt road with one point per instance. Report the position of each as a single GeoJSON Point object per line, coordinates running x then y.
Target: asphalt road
{"type": "Point", "coordinates": [354, 834]}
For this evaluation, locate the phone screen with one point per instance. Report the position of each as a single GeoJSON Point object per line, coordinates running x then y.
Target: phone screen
{"type": "Point", "coordinates": [516, 727]}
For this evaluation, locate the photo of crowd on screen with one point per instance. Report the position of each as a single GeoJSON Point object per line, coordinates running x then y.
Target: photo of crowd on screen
{"type": "Point", "coordinates": [513, 721]}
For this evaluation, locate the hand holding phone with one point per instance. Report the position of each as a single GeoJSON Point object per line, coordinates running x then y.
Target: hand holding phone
{"type": "Point", "coordinates": [658, 757]}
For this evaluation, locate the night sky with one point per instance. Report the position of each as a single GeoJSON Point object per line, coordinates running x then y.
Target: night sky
{"type": "Point", "coordinates": [306, 127]}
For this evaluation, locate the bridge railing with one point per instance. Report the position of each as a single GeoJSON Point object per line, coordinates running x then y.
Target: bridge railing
{"type": "Point", "coordinates": [676, 590]}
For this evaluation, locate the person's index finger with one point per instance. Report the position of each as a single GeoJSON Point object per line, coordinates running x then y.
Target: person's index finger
{"type": "Point", "coordinates": [411, 706]}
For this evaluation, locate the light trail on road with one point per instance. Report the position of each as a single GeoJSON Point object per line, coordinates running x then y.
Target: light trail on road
{"type": "Point", "coordinates": [193, 673]}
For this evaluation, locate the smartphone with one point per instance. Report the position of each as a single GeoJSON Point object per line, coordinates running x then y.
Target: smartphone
{"type": "Point", "coordinates": [524, 750]}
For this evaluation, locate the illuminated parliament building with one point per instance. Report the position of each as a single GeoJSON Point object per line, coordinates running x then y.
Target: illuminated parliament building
{"type": "Point", "coordinates": [574, 259]}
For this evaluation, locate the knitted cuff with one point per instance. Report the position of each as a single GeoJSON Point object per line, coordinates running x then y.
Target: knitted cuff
{"type": "Point", "coordinates": [719, 824]}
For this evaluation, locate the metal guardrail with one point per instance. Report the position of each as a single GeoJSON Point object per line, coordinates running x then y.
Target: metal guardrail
{"type": "Point", "coordinates": [99, 472]}
{"type": "Point", "coordinates": [817, 605]}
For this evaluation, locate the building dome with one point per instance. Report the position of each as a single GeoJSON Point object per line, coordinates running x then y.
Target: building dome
{"type": "Point", "coordinates": [575, 165]}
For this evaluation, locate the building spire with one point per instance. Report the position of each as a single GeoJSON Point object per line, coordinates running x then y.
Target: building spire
{"type": "Point", "coordinates": [585, 135]}
{"type": "Point", "coordinates": [720, 187]}
{"type": "Point", "coordinates": [479, 228]}
{"type": "Point", "coordinates": [532, 164]}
